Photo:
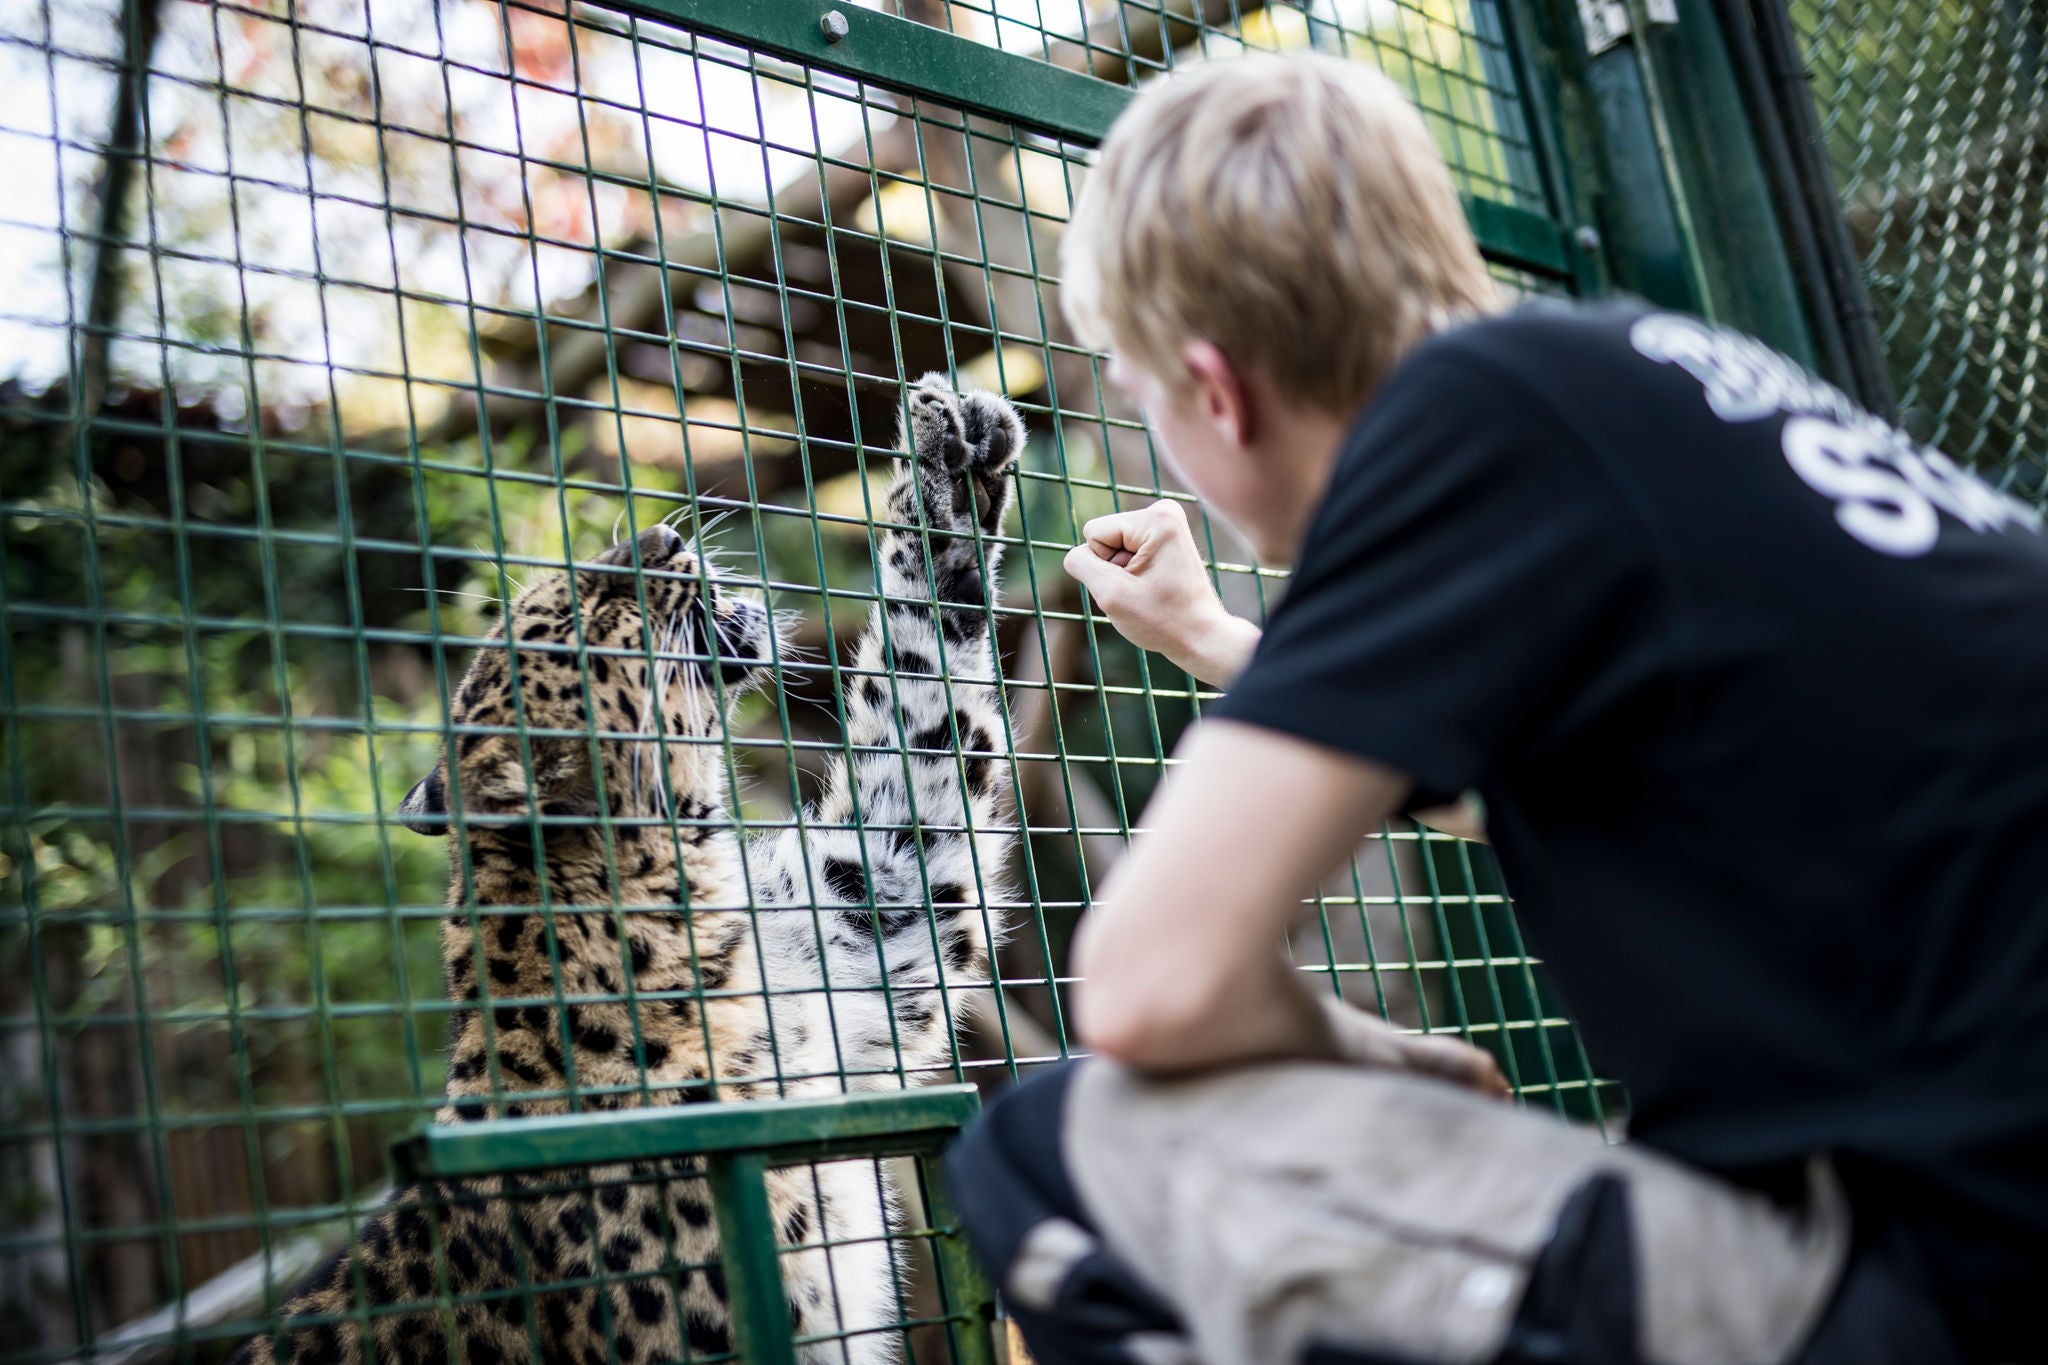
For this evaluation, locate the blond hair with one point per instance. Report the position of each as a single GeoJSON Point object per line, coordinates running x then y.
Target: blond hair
{"type": "Point", "coordinates": [1291, 210]}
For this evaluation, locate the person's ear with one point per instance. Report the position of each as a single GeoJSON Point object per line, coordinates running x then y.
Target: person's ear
{"type": "Point", "coordinates": [1221, 397]}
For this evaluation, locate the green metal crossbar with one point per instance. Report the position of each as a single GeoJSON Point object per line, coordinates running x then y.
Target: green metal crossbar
{"type": "Point", "coordinates": [740, 1144]}
{"type": "Point", "coordinates": [902, 55]}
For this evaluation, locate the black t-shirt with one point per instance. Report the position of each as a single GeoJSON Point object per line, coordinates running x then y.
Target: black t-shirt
{"type": "Point", "coordinates": [1756, 692]}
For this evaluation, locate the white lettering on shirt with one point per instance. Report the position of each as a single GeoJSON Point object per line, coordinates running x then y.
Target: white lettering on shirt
{"type": "Point", "coordinates": [1888, 490]}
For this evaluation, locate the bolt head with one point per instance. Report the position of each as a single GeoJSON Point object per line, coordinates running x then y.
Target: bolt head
{"type": "Point", "coordinates": [833, 26]}
{"type": "Point", "coordinates": [1587, 239]}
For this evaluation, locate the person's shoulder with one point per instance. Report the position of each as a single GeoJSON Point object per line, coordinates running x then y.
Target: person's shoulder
{"type": "Point", "coordinates": [1540, 334]}
{"type": "Point", "coordinates": [1504, 368]}
{"type": "Point", "coordinates": [1504, 365]}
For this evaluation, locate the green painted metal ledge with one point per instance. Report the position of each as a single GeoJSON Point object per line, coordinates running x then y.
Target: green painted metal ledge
{"type": "Point", "coordinates": [793, 1130]}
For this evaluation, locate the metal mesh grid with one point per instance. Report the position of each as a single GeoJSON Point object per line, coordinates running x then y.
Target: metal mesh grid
{"type": "Point", "coordinates": [1936, 118]}
{"type": "Point", "coordinates": [386, 317]}
{"type": "Point", "coordinates": [1450, 56]}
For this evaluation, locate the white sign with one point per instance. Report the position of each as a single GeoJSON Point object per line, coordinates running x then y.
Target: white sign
{"type": "Point", "coordinates": [1606, 22]}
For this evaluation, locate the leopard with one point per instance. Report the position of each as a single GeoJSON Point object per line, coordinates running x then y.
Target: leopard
{"type": "Point", "coordinates": [614, 939]}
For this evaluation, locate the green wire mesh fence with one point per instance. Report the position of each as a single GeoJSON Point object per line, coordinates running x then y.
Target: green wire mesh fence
{"type": "Point", "coordinates": [331, 327]}
{"type": "Point", "coordinates": [1936, 119]}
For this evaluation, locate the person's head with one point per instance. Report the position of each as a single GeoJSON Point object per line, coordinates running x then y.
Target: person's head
{"type": "Point", "coordinates": [1260, 241]}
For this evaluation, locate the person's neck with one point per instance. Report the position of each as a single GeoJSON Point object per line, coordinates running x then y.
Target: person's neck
{"type": "Point", "coordinates": [1302, 445]}
{"type": "Point", "coordinates": [1298, 451]}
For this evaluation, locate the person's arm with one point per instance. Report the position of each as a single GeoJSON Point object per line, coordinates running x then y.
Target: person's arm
{"type": "Point", "coordinates": [1180, 960]}
{"type": "Point", "coordinates": [1146, 575]}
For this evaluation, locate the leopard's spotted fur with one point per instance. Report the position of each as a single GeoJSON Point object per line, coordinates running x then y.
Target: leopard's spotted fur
{"type": "Point", "coordinates": [682, 928]}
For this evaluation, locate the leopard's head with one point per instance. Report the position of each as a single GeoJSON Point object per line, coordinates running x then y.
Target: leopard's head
{"type": "Point", "coordinates": [638, 669]}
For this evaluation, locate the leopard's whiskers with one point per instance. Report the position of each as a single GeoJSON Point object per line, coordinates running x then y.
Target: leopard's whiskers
{"type": "Point", "coordinates": [671, 668]}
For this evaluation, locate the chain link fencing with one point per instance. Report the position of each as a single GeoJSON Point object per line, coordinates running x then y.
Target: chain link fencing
{"type": "Point", "coordinates": [1936, 122]}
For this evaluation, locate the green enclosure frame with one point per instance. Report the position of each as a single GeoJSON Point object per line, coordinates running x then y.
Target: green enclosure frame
{"type": "Point", "coordinates": [740, 1142]}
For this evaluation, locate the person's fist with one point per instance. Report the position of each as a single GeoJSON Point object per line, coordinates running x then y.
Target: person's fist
{"type": "Point", "coordinates": [1147, 577]}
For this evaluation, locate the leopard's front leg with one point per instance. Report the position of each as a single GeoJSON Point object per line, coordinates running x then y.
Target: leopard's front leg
{"type": "Point", "coordinates": [882, 896]}
{"type": "Point", "coordinates": [908, 842]}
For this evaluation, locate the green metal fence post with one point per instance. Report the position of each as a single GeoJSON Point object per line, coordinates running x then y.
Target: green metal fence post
{"type": "Point", "coordinates": [746, 1232]}
{"type": "Point", "coordinates": [964, 1292]}
{"type": "Point", "coordinates": [1738, 235]}
{"type": "Point", "coordinates": [1563, 139]}
{"type": "Point", "coordinates": [1830, 261]}
{"type": "Point", "coordinates": [1648, 244]}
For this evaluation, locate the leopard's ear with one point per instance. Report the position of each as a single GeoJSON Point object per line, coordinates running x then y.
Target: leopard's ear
{"type": "Point", "coordinates": [425, 808]}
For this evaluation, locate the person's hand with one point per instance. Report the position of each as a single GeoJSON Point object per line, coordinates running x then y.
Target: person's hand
{"type": "Point", "coordinates": [1457, 1061]}
{"type": "Point", "coordinates": [1144, 572]}
{"type": "Point", "coordinates": [1369, 1040]}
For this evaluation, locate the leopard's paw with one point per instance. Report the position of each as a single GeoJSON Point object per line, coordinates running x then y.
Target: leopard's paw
{"type": "Point", "coordinates": [964, 446]}
{"type": "Point", "coordinates": [938, 429]}
{"type": "Point", "coordinates": [995, 433]}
